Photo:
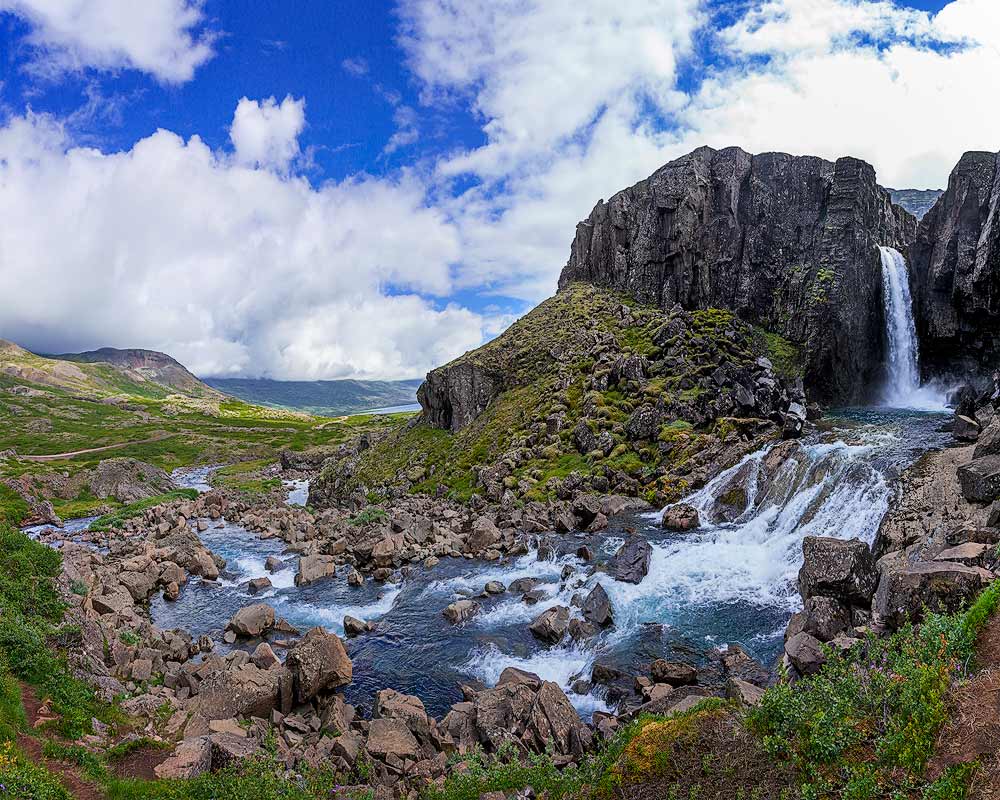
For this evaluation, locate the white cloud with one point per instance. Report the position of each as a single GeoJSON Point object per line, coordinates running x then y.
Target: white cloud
{"type": "Point", "coordinates": [233, 270]}
{"type": "Point", "coordinates": [266, 134]}
{"type": "Point", "coordinates": [160, 37]}
{"type": "Point", "coordinates": [580, 99]}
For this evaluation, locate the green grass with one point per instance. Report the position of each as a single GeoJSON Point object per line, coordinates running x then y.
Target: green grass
{"type": "Point", "coordinates": [13, 508]}
{"type": "Point", "coordinates": [21, 779]}
{"type": "Point", "coordinates": [117, 519]}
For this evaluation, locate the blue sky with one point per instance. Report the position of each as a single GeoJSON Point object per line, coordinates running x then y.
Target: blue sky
{"type": "Point", "coordinates": [328, 188]}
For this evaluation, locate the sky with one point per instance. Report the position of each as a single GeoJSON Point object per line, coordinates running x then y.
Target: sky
{"type": "Point", "coordinates": [330, 189]}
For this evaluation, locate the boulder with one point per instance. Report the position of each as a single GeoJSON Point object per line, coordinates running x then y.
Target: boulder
{"type": "Point", "coordinates": [252, 620]}
{"type": "Point", "coordinates": [905, 591]}
{"type": "Point", "coordinates": [743, 692]}
{"type": "Point", "coordinates": [988, 443]}
{"type": "Point", "coordinates": [315, 567]}
{"type": "Point", "coordinates": [680, 517]}
{"type": "Point", "coordinates": [806, 653]}
{"type": "Point", "coordinates": [596, 609]}
{"type": "Point", "coordinates": [231, 748]}
{"type": "Point", "coordinates": [191, 758]}
{"type": "Point", "coordinates": [644, 423]}
{"type": "Point", "coordinates": [460, 611]}
{"type": "Point", "coordinates": [354, 626]}
{"type": "Point", "coordinates": [245, 691]}
{"type": "Point", "coordinates": [673, 673]}
{"type": "Point", "coordinates": [980, 479]}
{"type": "Point", "coordinates": [631, 562]}
{"type": "Point", "coordinates": [965, 429]}
{"type": "Point", "coordinates": [825, 618]}
{"type": "Point", "coordinates": [258, 585]}
{"type": "Point", "coordinates": [318, 662]}
{"type": "Point", "coordinates": [550, 626]}
{"type": "Point", "coordinates": [391, 738]}
{"type": "Point", "coordinates": [483, 536]}
{"type": "Point", "coordinates": [843, 570]}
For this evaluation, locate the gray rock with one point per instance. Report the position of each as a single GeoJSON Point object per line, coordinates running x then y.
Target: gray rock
{"type": "Point", "coordinates": [680, 517]}
{"type": "Point", "coordinates": [806, 653]}
{"type": "Point", "coordinates": [631, 562]}
{"type": "Point", "coordinates": [596, 609]}
{"type": "Point", "coordinates": [252, 620]}
{"type": "Point", "coordinates": [980, 479]}
{"type": "Point", "coordinates": [460, 611]}
{"type": "Point", "coordinates": [318, 662]}
{"type": "Point", "coordinates": [673, 673]}
{"type": "Point", "coordinates": [843, 570]}
{"type": "Point", "coordinates": [904, 592]}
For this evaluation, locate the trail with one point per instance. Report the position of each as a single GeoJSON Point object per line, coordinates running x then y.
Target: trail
{"type": "Point", "coordinates": [69, 775]}
{"type": "Point", "coordinates": [105, 448]}
{"type": "Point", "coordinates": [973, 729]}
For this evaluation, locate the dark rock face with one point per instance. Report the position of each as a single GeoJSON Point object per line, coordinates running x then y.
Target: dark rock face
{"type": "Point", "coordinates": [454, 395]}
{"type": "Point", "coordinates": [955, 262]}
{"type": "Point", "coordinates": [786, 242]}
{"type": "Point", "coordinates": [838, 569]}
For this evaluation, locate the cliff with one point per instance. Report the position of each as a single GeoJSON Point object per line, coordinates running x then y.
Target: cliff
{"type": "Point", "coordinates": [788, 243]}
{"type": "Point", "coordinates": [955, 263]}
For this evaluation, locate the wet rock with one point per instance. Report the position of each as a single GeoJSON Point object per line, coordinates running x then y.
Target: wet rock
{"type": "Point", "coordinates": [494, 587]}
{"type": "Point", "coordinates": [273, 564]}
{"type": "Point", "coordinates": [904, 592]}
{"type": "Point", "coordinates": [318, 662]}
{"type": "Point", "coordinates": [550, 626]}
{"type": "Point", "coordinates": [793, 421]}
{"type": "Point", "coordinates": [965, 429]}
{"type": "Point", "coordinates": [460, 611]}
{"type": "Point", "coordinates": [354, 626]}
{"type": "Point", "coordinates": [258, 585]}
{"type": "Point", "coordinates": [806, 653]}
{"type": "Point", "coordinates": [315, 567]}
{"type": "Point", "coordinates": [580, 630]}
{"type": "Point", "coordinates": [980, 479]}
{"type": "Point", "coordinates": [673, 673]}
{"type": "Point", "coordinates": [263, 656]}
{"type": "Point", "coordinates": [252, 620]}
{"type": "Point", "coordinates": [631, 562]}
{"type": "Point", "coordinates": [843, 570]}
{"type": "Point", "coordinates": [596, 608]}
{"type": "Point", "coordinates": [680, 517]}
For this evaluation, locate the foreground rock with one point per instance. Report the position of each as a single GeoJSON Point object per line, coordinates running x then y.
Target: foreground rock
{"type": "Point", "coordinates": [318, 662]}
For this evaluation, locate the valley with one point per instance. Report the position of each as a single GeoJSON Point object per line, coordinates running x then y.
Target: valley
{"type": "Point", "coordinates": [718, 519]}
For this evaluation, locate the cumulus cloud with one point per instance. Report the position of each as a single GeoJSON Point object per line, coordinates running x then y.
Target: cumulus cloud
{"type": "Point", "coordinates": [165, 38]}
{"type": "Point", "coordinates": [580, 99]}
{"type": "Point", "coordinates": [233, 269]}
{"type": "Point", "coordinates": [266, 134]}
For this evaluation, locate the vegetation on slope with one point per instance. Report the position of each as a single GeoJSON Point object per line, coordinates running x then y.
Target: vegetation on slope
{"type": "Point", "coordinates": [559, 365]}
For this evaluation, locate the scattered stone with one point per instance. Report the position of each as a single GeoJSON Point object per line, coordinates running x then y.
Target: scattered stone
{"type": "Point", "coordinates": [680, 517]}
{"type": "Point", "coordinates": [550, 626]}
{"type": "Point", "coordinates": [460, 611]}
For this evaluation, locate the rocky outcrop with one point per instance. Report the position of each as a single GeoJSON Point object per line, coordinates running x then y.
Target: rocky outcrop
{"type": "Point", "coordinates": [128, 480]}
{"type": "Point", "coordinates": [788, 243]}
{"type": "Point", "coordinates": [454, 395]}
{"type": "Point", "coordinates": [955, 262]}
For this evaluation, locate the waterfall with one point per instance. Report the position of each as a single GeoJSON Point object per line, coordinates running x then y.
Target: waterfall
{"type": "Point", "coordinates": [903, 377]}
{"type": "Point", "coordinates": [902, 386]}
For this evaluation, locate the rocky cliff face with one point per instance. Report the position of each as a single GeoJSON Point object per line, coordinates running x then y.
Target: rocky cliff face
{"type": "Point", "coordinates": [955, 262]}
{"type": "Point", "coordinates": [788, 243]}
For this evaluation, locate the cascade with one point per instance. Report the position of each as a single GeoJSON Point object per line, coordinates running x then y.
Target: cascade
{"type": "Point", "coordinates": [902, 387]}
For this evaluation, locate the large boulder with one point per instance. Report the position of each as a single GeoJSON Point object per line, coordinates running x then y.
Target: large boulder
{"type": "Point", "coordinates": [245, 691]}
{"type": "Point", "coordinates": [191, 758]}
{"type": "Point", "coordinates": [391, 738]}
{"type": "Point", "coordinates": [596, 607]}
{"type": "Point", "coordinates": [980, 479]}
{"type": "Point", "coordinates": [252, 620]}
{"type": "Point", "coordinates": [842, 569]}
{"type": "Point", "coordinates": [315, 567]}
{"type": "Point", "coordinates": [550, 626]}
{"type": "Point", "coordinates": [906, 591]}
{"type": "Point", "coordinates": [127, 480]}
{"type": "Point", "coordinates": [318, 662]}
{"type": "Point", "coordinates": [680, 517]}
{"type": "Point", "coordinates": [806, 653]}
{"type": "Point", "coordinates": [631, 563]}
{"type": "Point", "coordinates": [673, 673]}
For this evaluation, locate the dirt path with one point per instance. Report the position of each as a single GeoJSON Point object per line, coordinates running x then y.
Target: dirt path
{"type": "Point", "coordinates": [973, 730]}
{"type": "Point", "coordinates": [78, 786]}
{"type": "Point", "coordinates": [71, 454]}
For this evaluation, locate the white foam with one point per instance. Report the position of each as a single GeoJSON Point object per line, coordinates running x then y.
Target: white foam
{"type": "Point", "coordinates": [332, 617]}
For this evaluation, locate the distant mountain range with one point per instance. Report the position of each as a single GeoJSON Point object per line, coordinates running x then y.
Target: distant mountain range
{"type": "Point", "coordinates": [917, 201]}
{"type": "Point", "coordinates": [325, 398]}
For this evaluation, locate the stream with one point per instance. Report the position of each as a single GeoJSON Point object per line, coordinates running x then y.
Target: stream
{"type": "Point", "coordinates": [733, 580]}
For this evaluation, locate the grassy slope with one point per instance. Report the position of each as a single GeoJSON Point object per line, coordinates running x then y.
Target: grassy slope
{"type": "Point", "coordinates": [53, 421]}
{"type": "Point", "coordinates": [429, 457]}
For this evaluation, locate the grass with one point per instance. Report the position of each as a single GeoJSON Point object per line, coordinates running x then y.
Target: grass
{"type": "Point", "coordinates": [117, 519]}
{"type": "Point", "coordinates": [13, 508]}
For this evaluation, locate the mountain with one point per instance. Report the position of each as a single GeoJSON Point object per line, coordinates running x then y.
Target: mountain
{"type": "Point", "coordinates": [955, 263]}
{"type": "Point", "coordinates": [784, 242]}
{"type": "Point", "coordinates": [330, 398]}
{"type": "Point", "coordinates": [145, 365]}
{"type": "Point", "coordinates": [103, 373]}
{"type": "Point", "coordinates": [917, 201]}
